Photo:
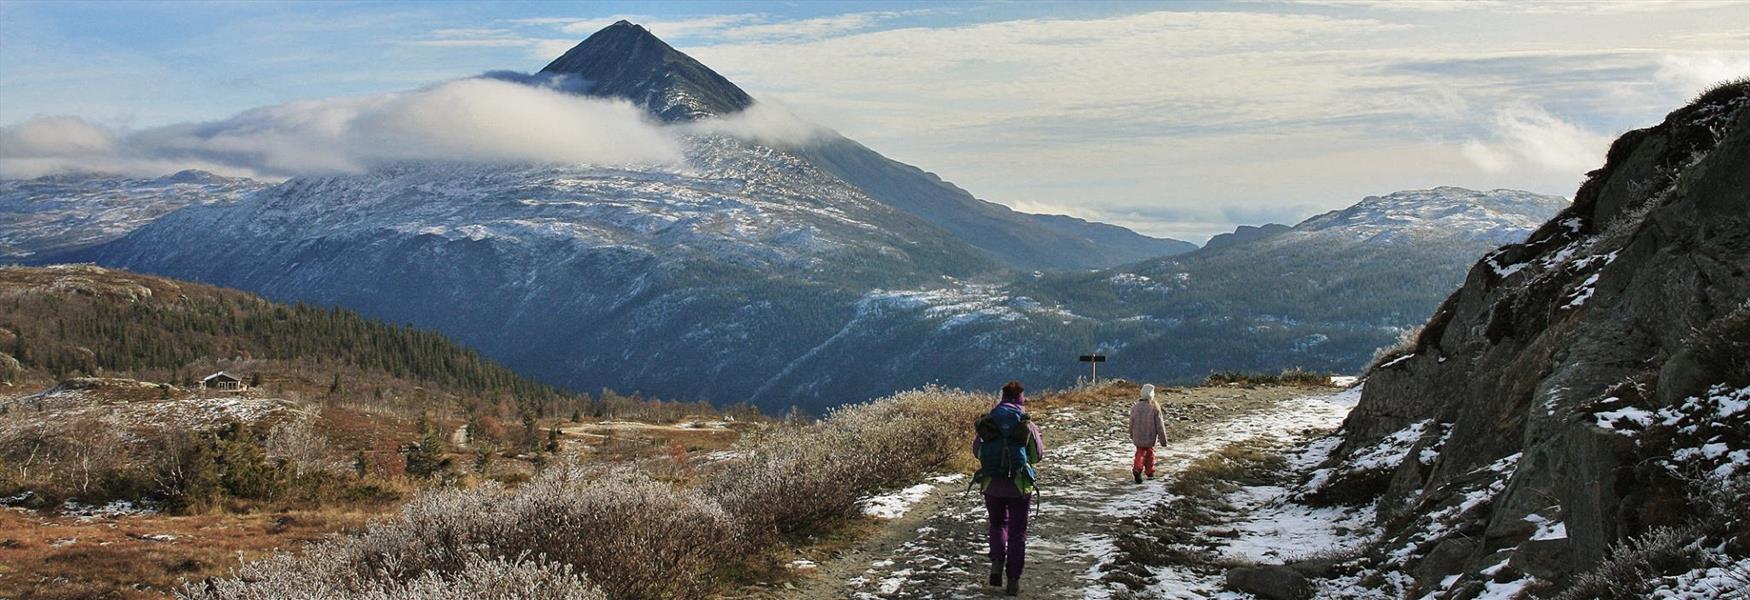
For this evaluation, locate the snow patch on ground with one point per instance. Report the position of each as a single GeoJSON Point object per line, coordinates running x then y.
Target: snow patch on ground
{"type": "Point", "coordinates": [894, 505]}
{"type": "Point", "coordinates": [1273, 527]}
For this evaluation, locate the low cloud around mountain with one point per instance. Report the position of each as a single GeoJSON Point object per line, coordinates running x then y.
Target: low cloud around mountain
{"type": "Point", "coordinates": [500, 117]}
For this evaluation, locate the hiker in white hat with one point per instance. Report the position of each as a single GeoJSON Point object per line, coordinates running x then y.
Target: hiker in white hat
{"type": "Point", "coordinates": [1146, 428]}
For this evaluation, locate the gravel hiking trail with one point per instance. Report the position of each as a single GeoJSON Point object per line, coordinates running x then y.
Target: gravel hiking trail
{"type": "Point", "coordinates": [934, 545]}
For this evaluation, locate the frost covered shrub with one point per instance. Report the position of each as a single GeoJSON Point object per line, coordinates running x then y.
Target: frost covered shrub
{"type": "Point", "coordinates": [478, 578]}
{"type": "Point", "coordinates": [801, 479]}
{"type": "Point", "coordinates": [633, 536]}
{"type": "Point", "coordinates": [301, 448]}
{"type": "Point", "coordinates": [1635, 564]}
{"type": "Point", "coordinates": [1405, 344]}
{"type": "Point", "coordinates": [638, 537]}
{"type": "Point", "coordinates": [1716, 537]}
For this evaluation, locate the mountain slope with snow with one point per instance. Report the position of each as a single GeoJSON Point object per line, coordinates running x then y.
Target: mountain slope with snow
{"type": "Point", "coordinates": [625, 61]}
{"type": "Point", "coordinates": [692, 283]}
{"type": "Point", "coordinates": [54, 214]}
{"type": "Point", "coordinates": [1323, 295]}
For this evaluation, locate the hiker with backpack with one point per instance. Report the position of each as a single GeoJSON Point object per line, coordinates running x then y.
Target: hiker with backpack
{"type": "Point", "coordinates": [1007, 446]}
{"type": "Point", "coordinates": [1146, 428]}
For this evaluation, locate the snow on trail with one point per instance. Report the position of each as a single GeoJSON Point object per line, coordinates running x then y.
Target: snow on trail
{"type": "Point", "coordinates": [1085, 489]}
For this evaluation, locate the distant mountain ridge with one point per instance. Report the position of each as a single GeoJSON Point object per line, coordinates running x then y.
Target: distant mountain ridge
{"type": "Point", "coordinates": [1497, 216]}
{"type": "Point", "coordinates": [1323, 295]}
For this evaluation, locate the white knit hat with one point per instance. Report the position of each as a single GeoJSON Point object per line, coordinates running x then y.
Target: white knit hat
{"type": "Point", "coordinates": [1148, 391]}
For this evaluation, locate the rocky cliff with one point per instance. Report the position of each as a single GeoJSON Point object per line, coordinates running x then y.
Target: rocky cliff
{"type": "Point", "coordinates": [1564, 418]}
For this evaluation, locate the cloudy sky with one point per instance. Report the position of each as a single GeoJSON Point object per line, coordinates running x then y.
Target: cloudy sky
{"type": "Point", "coordinates": [1180, 119]}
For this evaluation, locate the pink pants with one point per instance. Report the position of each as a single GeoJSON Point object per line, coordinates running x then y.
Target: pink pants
{"type": "Point", "coordinates": [1144, 461]}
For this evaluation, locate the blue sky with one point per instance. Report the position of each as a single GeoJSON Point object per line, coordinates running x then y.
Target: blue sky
{"type": "Point", "coordinates": [1179, 119]}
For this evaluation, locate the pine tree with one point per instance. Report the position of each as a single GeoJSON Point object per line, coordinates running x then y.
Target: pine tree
{"type": "Point", "coordinates": [428, 458]}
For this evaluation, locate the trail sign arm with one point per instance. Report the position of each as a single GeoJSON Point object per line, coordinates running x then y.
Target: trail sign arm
{"type": "Point", "coordinates": [1094, 361]}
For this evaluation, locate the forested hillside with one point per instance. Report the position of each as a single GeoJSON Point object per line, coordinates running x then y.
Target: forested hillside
{"type": "Point", "coordinates": [68, 321]}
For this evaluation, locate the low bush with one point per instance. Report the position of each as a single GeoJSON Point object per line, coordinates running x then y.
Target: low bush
{"type": "Point", "coordinates": [1406, 343]}
{"type": "Point", "coordinates": [638, 537]}
{"type": "Point", "coordinates": [632, 535]}
{"type": "Point", "coordinates": [477, 579]}
{"type": "Point", "coordinates": [1714, 536]}
{"type": "Point", "coordinates": [802, 479]}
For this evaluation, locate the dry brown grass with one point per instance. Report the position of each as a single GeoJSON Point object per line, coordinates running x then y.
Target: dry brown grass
{"type": "Point", "coordinates": [114, 558]}
{"type": "Point", "coordinates": [1086, 395]}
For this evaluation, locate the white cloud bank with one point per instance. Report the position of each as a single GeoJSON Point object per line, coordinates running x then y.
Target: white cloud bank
{"type": "Point", "coordinates": [1531, 138]}
{"type": "Point", "coordinates": [487, 119]}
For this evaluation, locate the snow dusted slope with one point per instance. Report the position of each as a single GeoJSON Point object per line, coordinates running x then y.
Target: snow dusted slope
{"type": "Point", "coordinates": [1496, 216]}
{"type": "Point", "coordinates": [751, 275]}
{"type": "Point", "coordinates": [625, 61]}
{"type": "Point", "coordinates": [692, 282]}
{"type": "Point", "coordinates": [58, 213]}
{"type": "Point", "coordinates": [1323, 296]}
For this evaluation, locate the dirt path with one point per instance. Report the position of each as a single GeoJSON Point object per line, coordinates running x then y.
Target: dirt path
{"type": "Point", "coordinates": [936, 548]}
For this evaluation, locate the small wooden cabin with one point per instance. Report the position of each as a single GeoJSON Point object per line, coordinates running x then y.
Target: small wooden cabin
{"type": "Point", "coordinates": [223, 381]}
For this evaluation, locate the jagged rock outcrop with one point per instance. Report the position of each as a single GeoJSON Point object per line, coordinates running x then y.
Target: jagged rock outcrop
{"type": "Point", "coordinates": [1554, 404]}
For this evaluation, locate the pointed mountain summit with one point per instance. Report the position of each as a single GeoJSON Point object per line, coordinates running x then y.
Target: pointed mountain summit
{"type": "Point", "coordinates": [626, 61]}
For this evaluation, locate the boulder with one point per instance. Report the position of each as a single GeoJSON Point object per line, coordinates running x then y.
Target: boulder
{"type": "Point", "coordinates": [1274, 582]}
{"type": "Point", "coordinates": [1447, 557]}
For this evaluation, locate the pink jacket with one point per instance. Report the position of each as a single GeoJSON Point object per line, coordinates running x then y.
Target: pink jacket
{"type": "Point", "coordinates": [1146, 426]}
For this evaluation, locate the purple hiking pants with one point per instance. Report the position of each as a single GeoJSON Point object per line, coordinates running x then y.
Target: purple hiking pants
{"type": "Point", "coordinates": [1008, 531]}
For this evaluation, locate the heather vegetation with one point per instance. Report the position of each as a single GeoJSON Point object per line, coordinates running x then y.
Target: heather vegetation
{"type": "Point", "coordinates": [625, 530]}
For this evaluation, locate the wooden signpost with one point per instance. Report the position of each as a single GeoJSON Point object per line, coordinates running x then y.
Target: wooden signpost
{"type": "Point", "coordinates": [1094, 361]}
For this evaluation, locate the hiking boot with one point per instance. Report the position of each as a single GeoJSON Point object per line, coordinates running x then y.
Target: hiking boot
{"type": "Point", "coordinates": [1014, 588]}
{"type": "Point", "coordinates": [1138, 475]}
{"type": "Point", "coordinates": [996, 574]}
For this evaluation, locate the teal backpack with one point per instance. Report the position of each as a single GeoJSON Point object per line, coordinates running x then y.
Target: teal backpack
{"type": "Point", "coordinates": [1002, 447]}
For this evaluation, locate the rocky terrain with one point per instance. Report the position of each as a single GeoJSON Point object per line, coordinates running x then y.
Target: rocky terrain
{"type": "Point", "coordinates": [1571, 417]}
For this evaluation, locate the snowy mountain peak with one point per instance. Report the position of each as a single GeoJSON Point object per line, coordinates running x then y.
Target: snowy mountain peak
{"type": "Point", "coordinates": [625, 60]}
{"type": "Point", "coordinates": [1503, 215]}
